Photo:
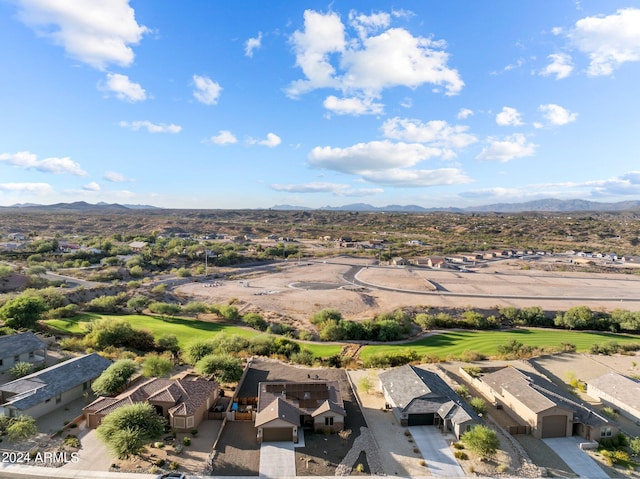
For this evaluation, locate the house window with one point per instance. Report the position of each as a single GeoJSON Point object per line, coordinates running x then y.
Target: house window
{"type": "Point", "coordinates": [85, 385]}
{"type": "Point", "coordinates": [1, 362]}
{"type": "Point", "coordinates": [16, 358]}
{"type": "Point", "coordinates": [468, 428]}
{"type": "Point", "coordinates": [189, 421]}
{"type": "Point", "coordinates": [58, 398]}
{"type": "Point", "coordinates": [328, 421]}
{"type": "Point", "coordinates": [605, 432]}
{"type": "Point", "coordinates": [32, 355]}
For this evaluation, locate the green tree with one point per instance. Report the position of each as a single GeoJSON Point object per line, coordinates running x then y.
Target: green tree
{"type": "Point", "coordinates": [115, 377]}
{"type": "Point", "coordinates": [481, 440]}
{"type": "Point", "coordinates": [129, 428]}
{"type": "Point", "coordinates": [197, 350]}
{"type": "Point", "coordinates": [21, 428]}
{"type": "Point", "coordinates": [479, 405]}
{"type": "Point", "coordinates": [168, 342]}
{"type": "Point", "coordinates": [20, 369]}
{"type": "Point", "coordinates": [226, 368]}
{"type": "Point", "coordinates": [137, 303]}
{"type": "Point", "coordinates": [22, 312]}
{"type": "Point", "coordinates": [156, 366]}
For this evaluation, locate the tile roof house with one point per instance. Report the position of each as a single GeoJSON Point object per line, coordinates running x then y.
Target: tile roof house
{"type": "Point", "coordinates": [419, 397]}
{"type": "Point", "coordinates": [283, 407]}
{"type": "Point", "coordinates": [184, 402]}
{"type": "Point", "coordinates": [617, 391]}
{"type": "Point", "coordinates": [22, 347]}
{"type": "Point", "coordinates": [49, 389]}
{"type": "Point", "coordinates": [536, 401]}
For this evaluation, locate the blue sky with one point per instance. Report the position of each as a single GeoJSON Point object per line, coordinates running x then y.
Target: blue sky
{"type": "Point", "coordinates": [247, 104]}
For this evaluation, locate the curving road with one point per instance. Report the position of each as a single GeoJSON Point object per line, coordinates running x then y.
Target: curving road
{"type": "Point", "coordinates": [351, 276]}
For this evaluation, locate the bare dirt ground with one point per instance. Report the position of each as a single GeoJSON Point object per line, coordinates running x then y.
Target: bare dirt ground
{"type": "Point", "coordinates": [297, 290]}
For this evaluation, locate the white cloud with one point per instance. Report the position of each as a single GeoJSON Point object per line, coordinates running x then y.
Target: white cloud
{"type": "Point", "coordinates": [366, 64]}
{"type": "Point", "coordinates": [28, 161]}
{"type": "Point", "coordinates": [224, 137]}
{"type": "Point", "coordinates": [560, 66]}
{"type": "Point", "coordinates": [436, 132]}
{"type": "Point", "coordinates": [375, 155]}
{"type": "Point", "coordinates": [365, 25]}
{"type": "Point", "coordinates": [115, 177]}
{"type": "Point", "coordinates": [627, 184]}
{"type": "Point", "coordinates": [35, 188]}
{"type": "Point", "coordinates": [353, 106]}
{"type": "Point", "coordinates": [98, 33]}
{"type": "Point", "coordinates": [252, 44]}
{"type": "Point", "coordinates": [417, 178]}
{"type": "Point", "coordinates": [514, 146]}
{"type": "Point", "coordinates": [92, 186]}
{"type": "Point", "coordinates": [151, 127]}
{"type": "Point", "coordinates": [124, 88]}
{"type": "Point", "coordinates": [337, 189]}
{"type": "Point", "coordinates": [406, 102]}
{"type": "Point", "coordinates": [609, 41]}
{"type": "Point", "coordinates": [271, 141]}
{"type": "Point", "coordinates": [397, 58]}
{"type": "Point", "coordinates": [557, 115]}
{"type": "Point", "coordinates": [508, 117]}
{"type": "Point", "coordinates": [206, 90]}
{"type": "Point", "coordinates": [322, 35]}
{"type": "Point", "coordinates": [464, 113]}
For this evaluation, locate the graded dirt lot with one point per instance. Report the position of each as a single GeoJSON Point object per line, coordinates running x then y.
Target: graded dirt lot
{"type": "Point", "coordinates": [360, 290]}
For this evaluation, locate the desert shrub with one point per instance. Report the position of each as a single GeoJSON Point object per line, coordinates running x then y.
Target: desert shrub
{"type": "Point", "coordinates": [186, 441]}
{"type": "Point", "coordinates": [479, 405]}
{"type": "Point", "coordinates": [481, 440]}
{"type": "Point", "coordinates": [169, 309]}
{"type": "Point", "coordinates": [255, 321]}
{"type": "Point", "coordinates": [71, 441]}
{"type": "Point", "coordinates": [21, 369]}
{"type": "Point", "coordinates": [463, 391]}
{"type": "Point", "coordinates": [458, 445]}
{"type": "Point", "coordinates": [195, 307]}
{"type": "Point", "coordinates": [461, 455]}
{"type": "Point", "coordinates": [386, 360]}
{"type": "Point", "coordinates": [304, 356]}
{"type": "Point", "coordinates": [21, 428]}
{"type": "Point", "coordinates": [225, 368]}
{"type": "Point", "coordinates": [473, 371]}
{"type": "Point", "coordinates": [469, 356]}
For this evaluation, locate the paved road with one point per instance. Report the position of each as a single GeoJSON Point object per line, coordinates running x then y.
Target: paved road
{"type": "Point", "coordinates": [435, 450]}
{"type": "Point", "coordinates": [578, 460]}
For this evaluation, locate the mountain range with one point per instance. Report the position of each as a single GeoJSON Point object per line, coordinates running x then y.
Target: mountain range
{"type": "Point", "coordinates": [545, 205]}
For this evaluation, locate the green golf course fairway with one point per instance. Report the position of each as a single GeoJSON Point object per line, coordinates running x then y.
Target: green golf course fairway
{"type": "Point", "coordinates": [454, 343]}
{"type": "Point", "coordinates": [186, 330]}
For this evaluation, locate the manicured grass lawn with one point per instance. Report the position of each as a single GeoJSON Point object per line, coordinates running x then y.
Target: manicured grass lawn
{"type": "Point", "coordinates": [322, 350]}
{"type": "Point", "coordinates": [454, 343]}
{"type": "Point", "coordinates": [186, 330]}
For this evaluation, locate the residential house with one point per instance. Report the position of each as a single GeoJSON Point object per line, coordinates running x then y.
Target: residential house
{"type": "Point", "coordinates": [183, 402]}
{"type": "Point", "coordinates": [137, 245]}
{"type": "Point", "coordinates": [436, 262]}
{"type": "Point", "coordinates": [617, 391]}
{"type": "Point", "coordinates": [49, 389]}
{"type": "Point", "coordinates": [536, 402]}
{"type": "Point", "coordinates": [419, 397]}
{"type": "Point", "coordinates": [284, 407]}
{"type": "Point", "coordinates": [22, 347]}
{"type": "Point", "coordinates": [399, 261]}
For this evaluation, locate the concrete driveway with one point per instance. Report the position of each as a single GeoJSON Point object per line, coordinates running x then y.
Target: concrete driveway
{"type": "Point", "coordinates": [434, 446]}
{"type": "Point", "coordinates": [578, 460]}
{"type": "Point", "coordinates": [93, 455]}
{"type": "Point", "coordinates": [277, 459]}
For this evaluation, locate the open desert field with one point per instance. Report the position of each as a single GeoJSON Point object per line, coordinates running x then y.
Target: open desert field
{"type": "Point", "coordinates": [360, 290]}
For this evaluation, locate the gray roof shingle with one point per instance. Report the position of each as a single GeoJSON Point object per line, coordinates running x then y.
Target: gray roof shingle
{"type": "Point", "coordinates": [14, 344]}
{"type": "Point", "coordinates": [46, 384]}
